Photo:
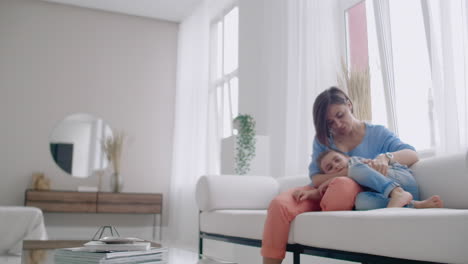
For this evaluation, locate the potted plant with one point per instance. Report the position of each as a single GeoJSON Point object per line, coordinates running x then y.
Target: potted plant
{"type": "Point", "coordinates": [245, 142]}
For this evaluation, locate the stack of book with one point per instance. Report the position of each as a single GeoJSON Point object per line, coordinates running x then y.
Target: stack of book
{"type": "Point", "coordinates": [112, 252]}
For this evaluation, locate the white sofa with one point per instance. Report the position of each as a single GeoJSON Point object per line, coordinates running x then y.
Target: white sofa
{"type": "Point", "coordinates": [233, 209]}
{"type": "Point", "coordinates": [19, 223]}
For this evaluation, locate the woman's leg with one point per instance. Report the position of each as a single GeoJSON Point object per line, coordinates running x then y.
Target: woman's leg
{"type": "Point", "coordinates": [282, 210]}
{"type": "Point", "coordinates": [340, 195]}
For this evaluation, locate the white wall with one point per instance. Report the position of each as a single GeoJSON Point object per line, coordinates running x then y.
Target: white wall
{"type": "Point", "coordinates": [57, 60]}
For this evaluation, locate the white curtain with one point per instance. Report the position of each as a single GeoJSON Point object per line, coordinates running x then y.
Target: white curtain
{"type": "Point", "coordinates": [384, 39]}
{"type": "Point", "coordinates": [447, 29]}
{"type": "Point", "coordinates": [195, 143]}
{"type": "Point", "coordinates": [313, 65]}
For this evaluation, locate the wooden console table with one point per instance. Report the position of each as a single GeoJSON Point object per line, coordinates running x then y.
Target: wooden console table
{"type": "Point", "coordinates": [97, 202]}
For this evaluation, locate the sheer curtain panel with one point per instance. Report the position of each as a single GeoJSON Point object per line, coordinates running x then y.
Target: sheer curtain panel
{"type": "Point", "coordinates": [196, 141]}
{"type": "Point", "coordinates": [447, 27]}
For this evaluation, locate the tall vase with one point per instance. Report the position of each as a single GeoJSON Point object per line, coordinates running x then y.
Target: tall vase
{"type": "Point", "coordinates": [116, 182]}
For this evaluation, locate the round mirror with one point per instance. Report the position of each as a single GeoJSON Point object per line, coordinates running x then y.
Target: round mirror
{"type": "Point", "coordinates": [75, 144]}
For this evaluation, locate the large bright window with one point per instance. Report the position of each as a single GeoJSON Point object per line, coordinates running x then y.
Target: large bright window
{"type": "Point", "coordinates": [399, 65]}
{"type": "Point", "coordinates": [224, 68]}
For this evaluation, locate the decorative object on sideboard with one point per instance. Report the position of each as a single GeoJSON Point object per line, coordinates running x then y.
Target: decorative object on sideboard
{"type": "Point", "coordinates": [245, 149]}
{"type": "Point", "coordinates": [37, 256]}
{"type": "Point", "coordinates": [40, 181]}
{"type": "Point", "coordinates": [99, 174]}
{"type": "Point", "coordinates": [112, 146]}
{"type": "Point", "coordinates": [357, 82]}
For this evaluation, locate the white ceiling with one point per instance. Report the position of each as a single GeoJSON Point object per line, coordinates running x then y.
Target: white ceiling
{"type": "Point", "coordinates": [172, 10]}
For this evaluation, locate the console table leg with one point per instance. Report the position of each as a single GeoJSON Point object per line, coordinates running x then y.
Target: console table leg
{"type": "Point", "coordinates": [160, 227]}
{"type": "Point", "coordinates": [154, 227]}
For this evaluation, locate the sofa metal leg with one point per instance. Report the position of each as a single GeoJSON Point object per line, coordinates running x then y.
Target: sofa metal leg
{"type": "Point", "coordinates": [296, 257]}
{"type": "Point", "coordinates": [200, 246]}
{"type": "Point", "coordinates": [200, 238]}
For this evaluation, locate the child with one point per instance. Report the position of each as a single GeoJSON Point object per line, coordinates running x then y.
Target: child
{"type": "Point", "coordinates": [397, 189]}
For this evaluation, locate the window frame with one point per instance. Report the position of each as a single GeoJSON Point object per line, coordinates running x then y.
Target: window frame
{"type": "Point", "coordinates": [217, 85]}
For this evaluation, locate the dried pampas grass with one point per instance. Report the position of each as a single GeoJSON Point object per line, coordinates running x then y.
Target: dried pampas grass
{"type": "Point", "coordinates": [112, 146]}
{"type": "Point", "coordinates": [357, 83]}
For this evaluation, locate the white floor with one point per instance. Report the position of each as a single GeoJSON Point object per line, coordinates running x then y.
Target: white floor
{"type": "Point", "coordinates": [251, 255]}
{"type": "Point", "coordinates": [10, 259]}
{"type": "Point", "coordinates": [221, 250]}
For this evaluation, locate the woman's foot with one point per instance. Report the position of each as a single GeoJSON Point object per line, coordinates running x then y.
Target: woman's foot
{"type": "Point", "coordinates": [432, 202]}
{"type": "Point", "coordinates": [399, 198]}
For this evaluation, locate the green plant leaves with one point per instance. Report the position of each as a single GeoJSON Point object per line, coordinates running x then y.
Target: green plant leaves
{"type": "Point", "coordinates": [245, 149]}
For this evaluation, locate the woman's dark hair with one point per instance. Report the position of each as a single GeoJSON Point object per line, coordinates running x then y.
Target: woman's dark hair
{"type": "Point", "coordinates": [332, 95]}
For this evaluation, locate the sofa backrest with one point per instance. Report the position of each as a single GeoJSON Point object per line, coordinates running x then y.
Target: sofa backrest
{"type": "Point", "coordinates": [288, 182]}
{"type": "Point", "coordinates": [446, 176]}
{"type": "Point", "coordinates": [216, 192]}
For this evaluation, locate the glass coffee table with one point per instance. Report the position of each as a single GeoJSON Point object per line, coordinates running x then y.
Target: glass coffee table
{"type": "Point", "coordinates": [42, 252]}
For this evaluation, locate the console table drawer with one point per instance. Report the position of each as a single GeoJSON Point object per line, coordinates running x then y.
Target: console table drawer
{"type": "Point", "coordinates": [62, 201]}
{"type": "Point", "coordinates": [139, 203]}
{"type": "Point", "coordinates": [94, 202]}
{"type": "Point", "coordinates": [97, 202]}
{"type": "Point", "coordinates": [128, 208]}
{"type": "Point", "coordinates": [57, 207]}
{"type": "Point", "coordinates": [61, 196]}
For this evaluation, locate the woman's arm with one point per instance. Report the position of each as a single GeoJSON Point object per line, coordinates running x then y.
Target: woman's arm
{"type": "Point", "coordinates": [405, 156]}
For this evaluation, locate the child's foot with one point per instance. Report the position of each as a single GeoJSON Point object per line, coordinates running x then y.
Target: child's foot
{"type": "Point", "coordinates": [399, 198]}
{"type": "Point", "coordinates": [433, 202]}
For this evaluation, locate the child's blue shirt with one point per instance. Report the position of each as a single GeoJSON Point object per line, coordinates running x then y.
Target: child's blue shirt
{"type": "Point", "coordinates": [377, 140]}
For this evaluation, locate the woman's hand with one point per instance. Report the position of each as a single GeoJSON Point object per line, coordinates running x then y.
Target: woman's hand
{"type": "Point", "coordinates": [301, 195]}
{"type": "Point", "coordinates": [380, 164]}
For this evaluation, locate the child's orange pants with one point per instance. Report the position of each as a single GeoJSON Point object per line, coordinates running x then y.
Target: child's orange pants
{"type": "Point", "coordinates": [339, 196]}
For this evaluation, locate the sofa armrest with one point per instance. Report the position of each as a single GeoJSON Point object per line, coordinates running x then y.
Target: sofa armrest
{"type": "Point", "coordinates": [446, 176]}
{"type": "Point", "coordinates": [215, 192]}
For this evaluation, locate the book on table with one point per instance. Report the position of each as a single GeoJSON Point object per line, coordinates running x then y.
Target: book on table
{"type": "Point", "coordinates": [103, 246]}
{"type": "Point", "coordinates": [113, 250]}
{"type": "Point", "coordinates": [84, 255]}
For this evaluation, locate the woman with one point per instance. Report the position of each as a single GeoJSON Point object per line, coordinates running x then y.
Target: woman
{"type": "Point", "coordinates": [336, 128]}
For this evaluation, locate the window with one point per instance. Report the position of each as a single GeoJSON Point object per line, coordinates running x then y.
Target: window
{"type": "Point", "coordinates": [399, 66]}
{"type": "Point", "coordinates": [224, 79]}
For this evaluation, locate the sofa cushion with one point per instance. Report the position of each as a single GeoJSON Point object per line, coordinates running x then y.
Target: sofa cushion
{"type": "Point", "coordinates": [438, 235]}
{"type": "Point", "coordinates": [446, 176]}
{"type": "Point", "coordinates": [237, 223]}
